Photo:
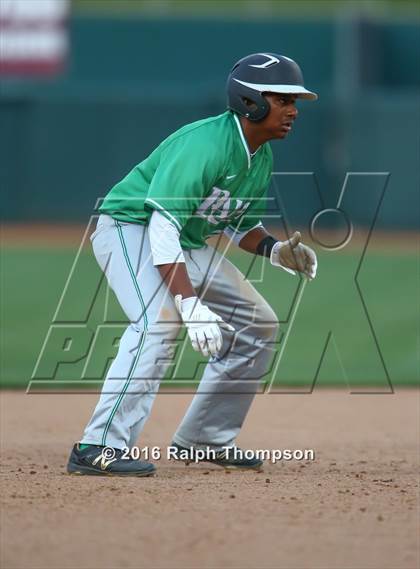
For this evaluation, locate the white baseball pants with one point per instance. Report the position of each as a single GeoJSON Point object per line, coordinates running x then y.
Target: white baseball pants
{"type": "Point", "coordinates": [229, 382]}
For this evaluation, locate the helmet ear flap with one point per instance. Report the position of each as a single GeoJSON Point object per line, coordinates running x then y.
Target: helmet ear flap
{"type": "Point", "coordinates": [236, 102]}
{"type": "Point", "coordinates": [262, 110]}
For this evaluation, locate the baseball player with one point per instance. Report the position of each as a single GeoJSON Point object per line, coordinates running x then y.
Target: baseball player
{"type": "Point", "coordinates": [209, 177]}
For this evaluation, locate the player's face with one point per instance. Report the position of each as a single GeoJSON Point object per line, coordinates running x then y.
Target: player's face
{"type": "Point", "coordinates": [278, 123]}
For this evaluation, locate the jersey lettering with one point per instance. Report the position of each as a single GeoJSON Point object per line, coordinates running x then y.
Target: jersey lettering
{"type": "Point", "coordinates": [217, 207]}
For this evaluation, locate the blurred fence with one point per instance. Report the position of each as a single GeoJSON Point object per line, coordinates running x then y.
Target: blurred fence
{"type": "Point", "coordinates": [131, 81]}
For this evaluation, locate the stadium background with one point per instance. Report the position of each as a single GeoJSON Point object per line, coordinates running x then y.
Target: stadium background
{"type": "Point", "coordinates": [132, 72]}
{"type": "Point", "coordinates": [136, 71]}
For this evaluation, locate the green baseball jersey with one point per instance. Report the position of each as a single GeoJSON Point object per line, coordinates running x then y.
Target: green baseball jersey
{"type": "Point", "coordinates": [202, 178]}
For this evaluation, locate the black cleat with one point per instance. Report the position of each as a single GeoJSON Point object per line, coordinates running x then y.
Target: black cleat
{"type": "Point", "coordinates": [231, 458]}
{"type": "Point", "coordinates": [106, 461]}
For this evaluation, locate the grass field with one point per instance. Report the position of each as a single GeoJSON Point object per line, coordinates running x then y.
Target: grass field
{"type": "Point", "coordinates": [373, 349]}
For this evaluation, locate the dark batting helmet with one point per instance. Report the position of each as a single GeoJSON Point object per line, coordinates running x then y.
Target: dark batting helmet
{"type": "Point", "coordinates": [261, 73]}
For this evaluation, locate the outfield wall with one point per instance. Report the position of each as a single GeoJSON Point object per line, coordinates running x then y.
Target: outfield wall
{"type": "Point", "coordinates": [131, 82]}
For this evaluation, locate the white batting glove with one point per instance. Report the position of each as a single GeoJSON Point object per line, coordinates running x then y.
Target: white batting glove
{"type": "Point", "coordinates": [202, 324]}
{"type": "Point", "coordinates": [292, 255]}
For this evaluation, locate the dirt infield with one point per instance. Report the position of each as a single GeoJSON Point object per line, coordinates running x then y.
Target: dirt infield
{"type": "Point", "coordinates": [355, 506]}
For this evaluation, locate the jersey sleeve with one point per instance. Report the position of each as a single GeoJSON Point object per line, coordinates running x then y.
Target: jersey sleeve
{"type": "Point", "coordinates": [188, 167]}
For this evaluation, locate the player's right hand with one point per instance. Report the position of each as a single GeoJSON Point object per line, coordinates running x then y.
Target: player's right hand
{"type": "Point", "coordinates": [202, 324]}
{"type": "Point", "coordinates": [292, 255]}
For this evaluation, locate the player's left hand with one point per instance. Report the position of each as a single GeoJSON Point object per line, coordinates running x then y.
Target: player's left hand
{"type": "Point", "coordinates": [203, 325]}
{"type": "Point", "coordinates": [292, 255]}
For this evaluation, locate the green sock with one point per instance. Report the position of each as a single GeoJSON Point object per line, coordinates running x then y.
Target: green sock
{"type": "Point", "coordinates": [82, 447]}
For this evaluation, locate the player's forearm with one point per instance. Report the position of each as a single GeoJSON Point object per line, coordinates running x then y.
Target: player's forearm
{"type": "Point", "coordinates": [177, 279]}
{"type": "Point", "coordinates": [252, 239]}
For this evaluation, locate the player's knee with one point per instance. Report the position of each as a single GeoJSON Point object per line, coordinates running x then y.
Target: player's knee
{"type": "Point", "coordinates": [137, 327]}
{"type": "Point", "coordinates": [160, 330]}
